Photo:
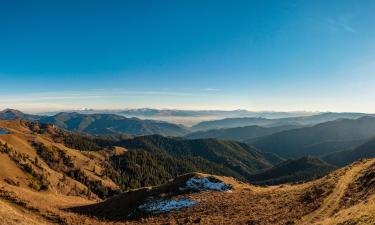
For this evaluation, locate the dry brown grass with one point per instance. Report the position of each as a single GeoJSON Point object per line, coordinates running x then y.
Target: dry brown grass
{"type": "Point", "coordinates": [21, 139]}
{"type": "Point", "coordinates": [345, 196]}
{"type": "Point", "coordinates": [247, 204]}
{"type": "Point", "coordinates": [309, 203]}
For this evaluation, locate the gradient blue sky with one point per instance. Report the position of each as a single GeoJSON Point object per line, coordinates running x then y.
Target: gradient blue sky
{"type": "Point", "coordinates": [256, 55]}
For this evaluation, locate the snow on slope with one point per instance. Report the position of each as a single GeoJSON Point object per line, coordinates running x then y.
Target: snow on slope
{"type": "Point", "coordinates": [167, 205]}
{"type": "Point", "coordinates": [192, 184]}
{"type": "Point", "coordinates": [206, 184]}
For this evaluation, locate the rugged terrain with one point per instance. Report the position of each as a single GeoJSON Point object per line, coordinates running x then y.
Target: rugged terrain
{"type": "Point", "coordinates": [321, 139]}
{"type": "Point", "coordinates": [266, 121]}
{"type": "Point", "coordinates": [239, 133]}
{"type": "Point", "coordinates": [299, 170]}
{"type": "Point", "coordinates": [100, 124]}
{"type": "Point", "coordinates": [149, 160]}
{"type": "Point", "coordinates": [50, 176]}
{"type": "Point", "coordinates": [343, 158]}
{"type": "Point", "coordinates": [343, 197]}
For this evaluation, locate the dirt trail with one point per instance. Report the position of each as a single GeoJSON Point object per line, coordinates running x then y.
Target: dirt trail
{"type": "Point", "coordinates": [331, 203]}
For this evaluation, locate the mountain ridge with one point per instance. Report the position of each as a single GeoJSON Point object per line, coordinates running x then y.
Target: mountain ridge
{"type": "Point", "coordinates": [303, 169]}
{"type": "Point", "coordinates": [100, 124]}
{"type": "Point", "coordinates": [43, 180]}
{"type": "Point", "coordinates": [12, 114]}
{"type": "Point", "coordinates": [298, 142]}
{"type": "Point", "coordinates": [234, 158]}
{"type": "Point", "coordinates": [239, 133]}
{"type": "Point", "coordinates": [343, 158]}
{"type": "Point", "coordinates": [259, 121]}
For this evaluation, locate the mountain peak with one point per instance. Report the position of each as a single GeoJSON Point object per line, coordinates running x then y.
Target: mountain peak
{"type": "Point", "coordinates": [14, 111]}
{"type": "Point", "coordinates": [12, 114]}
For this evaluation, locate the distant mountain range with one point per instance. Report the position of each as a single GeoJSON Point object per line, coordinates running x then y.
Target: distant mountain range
{"type": "Point", "coordinates": [265, 122]}
{"type": "Point", "coordinates": [299, 170]}
{"type": "Point", "coordinates": [189, 117]}
{"type": "Point", "coordinates": [290, 137]}
{"type": "Point", "coordinates": [239, 133]}
{"type": "Point", "coordinates": [100, 124]}
{"type": "Point", "coordinates": [148, 112]}
{"type": "Point", "coordinates": [324, 138]}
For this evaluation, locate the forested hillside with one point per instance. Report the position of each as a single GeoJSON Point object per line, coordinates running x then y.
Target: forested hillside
{"type": "Point", "coordinates": [299, 170]}
{"type": "Point", "coordinates": [239, 133]}
{"type": "Point", "coordinates": [343, 158]}
{"type": "Point", "coordinates": [167, 157]}
{"type": "Point", "coordinates": [324, 138]}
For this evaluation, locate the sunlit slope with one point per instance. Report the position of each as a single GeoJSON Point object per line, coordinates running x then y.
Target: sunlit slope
{"type": "Point", "coordinates": [44, 182]}
{"type": "Point", "coordinates": [329, 200]}
{"type": "Point", "coordinates": [35, 161]}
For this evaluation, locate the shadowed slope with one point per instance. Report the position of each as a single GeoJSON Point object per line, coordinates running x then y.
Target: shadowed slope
{"type": "Point", "coordinates": [344, 158]}
{"type": "Point", "coordinates": [229, 158]}
{"type": "Point", "coordinates": [239, 133]}
{"type": "Point", "coordinates": [259, 121]}
{"type": "Point", "coordinates": [334, 136]}
{"type": "Point", "coordinates": [299, 170]}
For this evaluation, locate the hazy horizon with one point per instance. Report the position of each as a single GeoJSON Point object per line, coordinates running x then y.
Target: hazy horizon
{"type": "Point", "coordinates": [84, 109]}
{"type": "Point", "coordinates": [187, 117]}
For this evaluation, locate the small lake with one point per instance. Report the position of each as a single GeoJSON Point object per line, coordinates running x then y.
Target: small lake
{"type": "Point", "coordinates": [3, 131]}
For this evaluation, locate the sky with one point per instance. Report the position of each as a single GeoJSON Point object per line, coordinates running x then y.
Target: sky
{"type": "Point", "coordinates": [194, 54]}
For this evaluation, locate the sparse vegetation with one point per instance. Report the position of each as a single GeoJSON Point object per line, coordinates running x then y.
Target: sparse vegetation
{"type": "Point", "coordinates": [58, 160]}
{"type": "Point", "coordinates": [360, 189]}
{"type": "Point", "coordinates": [4, 148]}
{"type": "Point", "coordinates": [81, 177]}
{"type": "Point", "coordinates": [37, 175]}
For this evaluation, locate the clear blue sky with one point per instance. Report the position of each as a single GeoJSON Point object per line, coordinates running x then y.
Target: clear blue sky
{"type": "Point", "coordinates": [256, 55]}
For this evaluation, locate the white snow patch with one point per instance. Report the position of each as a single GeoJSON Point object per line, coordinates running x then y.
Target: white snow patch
{"type": "Point", "coordinates": [205, 184]}
{"type": "Point", "coordinates": [167, 205]}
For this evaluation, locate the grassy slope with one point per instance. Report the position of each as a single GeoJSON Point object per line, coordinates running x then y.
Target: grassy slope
{"type": "Point", "coordinates": [20, 141]}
